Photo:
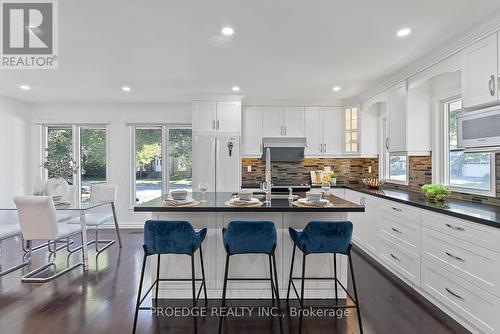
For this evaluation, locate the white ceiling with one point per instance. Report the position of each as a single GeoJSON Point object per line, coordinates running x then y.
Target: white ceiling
{"type": "Point", "coordinates": [171, 51]}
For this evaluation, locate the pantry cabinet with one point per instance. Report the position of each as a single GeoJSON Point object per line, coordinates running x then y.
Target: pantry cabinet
{"type": "Point", "coordinates": [480, 73]}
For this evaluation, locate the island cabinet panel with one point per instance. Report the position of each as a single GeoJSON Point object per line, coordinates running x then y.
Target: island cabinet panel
{"type": "Point", "coordinates": [317, 265]}
{"type": "Point", "coordinates": [358, 219]}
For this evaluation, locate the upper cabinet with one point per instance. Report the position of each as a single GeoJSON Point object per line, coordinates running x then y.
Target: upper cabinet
{"type": "Point", "coordinates": [272, 121]}
{"type": "Point", "coordinates": [282, 121]}
{"type": "Point", "coordinates": [293, 121]}
{"type": "Point", "coordinates": [397, 108]}
{"type": "Point", "coordinates": [322, 127]}
{"type": "Point", "coordinates": [480, 75]}
{"type": "Point", "coordinates": [216, 116]}
{"type": "Point", "coordinates": [251, 131]}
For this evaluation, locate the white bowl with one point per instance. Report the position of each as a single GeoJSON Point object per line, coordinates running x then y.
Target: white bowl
{"type": "Point", "coordinates": [179, 194]}
{"type": "Point", "coordinates": [245, 195]}
{"type": "Point", "coordinates": [314, 196]}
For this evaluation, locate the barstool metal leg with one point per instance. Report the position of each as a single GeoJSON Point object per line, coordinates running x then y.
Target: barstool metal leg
{"type": "Point", "coordinates": [193, 277]}
{"type": "Point", "coordinates": [157, 278]}
{"type": "Point", "coordinates": [358, 311]}
{"type": "Point", "coordinates": [271, 279]}
{"type": "Point", "coordinates": [335, 278]}
{"type": "Point", "coordinates": [277, 291]}
{"type": "Point", "coordinates": [139, 293]}
{"type": "Point", "coordinates": [203, 276]}
{"type": "Point", "coordinates": [223, 304]}
{"type": "Point", "coordinates": [290, 278]}
{"type": "Point", "coordinates": [302, 290]}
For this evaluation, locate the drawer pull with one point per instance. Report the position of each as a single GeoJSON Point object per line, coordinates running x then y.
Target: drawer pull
{"type": "Point", "coordinates": [395, 257]}
{"type": "Point", "coordinates": [396, 230]}
{"type": "Point", "coordinates": [454, 294]}
{"type": "Point", "coordinates": [397, 209]}
{"type": "Point", "coordinates": [456, 228]}
{"type": "Point", "coordinates": [455, 257]}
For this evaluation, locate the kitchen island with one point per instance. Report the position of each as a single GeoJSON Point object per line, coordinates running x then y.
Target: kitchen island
{"type": "Point", "coordinates": [214, 215]}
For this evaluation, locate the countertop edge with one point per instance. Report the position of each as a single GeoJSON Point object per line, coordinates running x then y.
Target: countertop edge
{"type": "Point", "coordinates": [425, 207]}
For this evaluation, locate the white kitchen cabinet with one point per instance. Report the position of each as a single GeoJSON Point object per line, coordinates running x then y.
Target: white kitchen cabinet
{"type": "Point", "coordinates": [282, 121]}
{"type": "Point", "coordinates": [228, 116]}
{"type": "Point", "coordinates": [216, 116]}
{"type": "Point", "coordinates": [357, 218]}
{"type": "Point", "coordinates": [396, 105]}
{"type": "Point", "coordinates": [293, 121]}
{"type": "Point", "coordinates": [272, 121]}
{"type": "Point", "coordinates": [323, 131]}
{"type": "Point", "coordinates": [204, 116]}
{"type": "Point", "coordinates": [480, 72]}
{"type": "Point", "coordinates": [251, 131]}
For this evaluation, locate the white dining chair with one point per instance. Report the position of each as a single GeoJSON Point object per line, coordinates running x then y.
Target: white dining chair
{"type": "Point", "coordinates": [7, 232]}
{"type": "Point", "coordinates": [100, 193]}
{"type": "Point", "coordinates": [38, 221]}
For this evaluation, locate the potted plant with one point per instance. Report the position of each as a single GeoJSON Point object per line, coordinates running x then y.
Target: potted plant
{"type": "Point", "coordinates": [333, 179]}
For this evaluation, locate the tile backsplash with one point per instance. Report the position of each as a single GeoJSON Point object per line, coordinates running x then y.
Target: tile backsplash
{"type": "Point", "coordinates": [349, 170]}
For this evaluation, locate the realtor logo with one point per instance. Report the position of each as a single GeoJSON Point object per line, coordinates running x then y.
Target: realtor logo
{"type": "Point", "coordinates": [29, 34]}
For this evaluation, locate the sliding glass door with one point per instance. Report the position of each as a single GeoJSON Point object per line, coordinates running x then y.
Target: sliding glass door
{"type": "Point", "coordinates": [80, 147]}
{"type": "Point", "coordinates": [162, 161]}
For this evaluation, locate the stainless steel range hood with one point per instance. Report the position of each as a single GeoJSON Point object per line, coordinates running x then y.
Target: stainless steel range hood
{"type": "Point", "coordinates": [285, 149]}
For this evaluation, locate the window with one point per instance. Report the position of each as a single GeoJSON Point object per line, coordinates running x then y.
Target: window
{"type": "Point", "coordinates": [397, 167]}
{"type": "Point", "coordinates": [92, 159]}
{"type": "Point", "coordinates": [466, 172]}
{"type": "Point", "coordinates": [162, 161]}
{"type": "Point", "coordinates": [351, 129]}
{"type": "Point", "coordinates": [71, 147]}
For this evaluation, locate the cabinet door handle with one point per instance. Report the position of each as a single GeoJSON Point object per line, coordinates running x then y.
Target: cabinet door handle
{"type": "Point", "coordinates": [324, 150]}
{"type": "Point", "coordinates": [491, 85]}
{"type": "Point", "coordinates": [285, 129]}
{"type": "Point", "coordinates": [454, 294]}
{"type": "Point", "coordinates": [387, 142]}
{"type": "Point", "coordinates": [395, 257]}
{"type": "Point", "coordinates": [281, 131]}
{"type": "Point", "coordinates": [217, 124]}
{"type": "Point", "coordinates": [396, 230]}
{"type": "Point", "coordinates": [454, 257]}
{"type": "Point", "coordinates": [213, 125]}
{"type": "Point", "coordinates": [456, 228]}
{"type": "Point", "coordinates": [397, 209]}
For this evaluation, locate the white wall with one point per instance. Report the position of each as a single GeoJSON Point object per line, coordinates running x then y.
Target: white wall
{"type": "Point", "coordinates": [14, 153]}
{"type": "Point", "coordinates": [118, 117]}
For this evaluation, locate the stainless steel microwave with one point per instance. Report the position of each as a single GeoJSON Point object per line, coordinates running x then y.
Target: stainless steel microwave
{"type": "Point", "coordinates": [479, 129]}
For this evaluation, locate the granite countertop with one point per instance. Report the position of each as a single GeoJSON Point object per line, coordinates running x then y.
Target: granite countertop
{"type": "Point", "coordinates": [471, 211]}
{"type": "Point", "coordinates": [215, 203]}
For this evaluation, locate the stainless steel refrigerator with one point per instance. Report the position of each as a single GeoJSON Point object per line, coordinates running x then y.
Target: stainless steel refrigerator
{"type": "Point", "coordinates": [216, 161]}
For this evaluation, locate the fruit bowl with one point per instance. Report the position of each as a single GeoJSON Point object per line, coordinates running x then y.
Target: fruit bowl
{"type": "Point", "coordinates": [436, 192]}
{"type": "Point", "coordinates": [373, 183]}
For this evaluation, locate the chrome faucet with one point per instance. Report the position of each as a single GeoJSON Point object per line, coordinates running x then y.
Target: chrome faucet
{"type": "Point", "coordinates": [290, 193]}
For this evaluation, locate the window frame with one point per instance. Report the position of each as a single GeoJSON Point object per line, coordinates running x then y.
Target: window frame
{"type": "Point", "coordinates": [388, 168]}
{"type": "Point", "coordinates": [165, 177]}
{"type": "Point", "coordinates": [76, 149]}
{"type": "Point", "coordinates": [446, 156]}
{"type": "Point", "coordinates": [345, 130]}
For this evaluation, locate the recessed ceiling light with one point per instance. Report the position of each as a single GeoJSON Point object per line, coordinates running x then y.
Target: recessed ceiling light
{"type": "Point", "coordinates": [403, 32]}
{"type": "Point", "coordinates": [228, 31]}
{"type": "Point", "coordinates": [25, 87]}
{"type": "Point", "coordinates": [236, 89]}
{"type": "Point", "coordinates": [336, 88]}
{"type": "Point", "coordinates": [126, 88]}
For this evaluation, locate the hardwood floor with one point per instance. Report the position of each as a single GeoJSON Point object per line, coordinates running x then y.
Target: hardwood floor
{"type": "Point", "coordinates": [102, 301]}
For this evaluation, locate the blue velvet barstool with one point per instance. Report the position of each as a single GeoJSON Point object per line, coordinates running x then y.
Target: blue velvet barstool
{"type": "Point", "coordinates": [324, 238]}
{"type": "Point", "coordinates": [171, 237]}
{"type": "Point", "coordinates": [252, 237]}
